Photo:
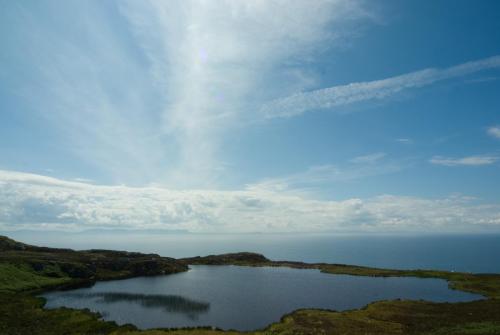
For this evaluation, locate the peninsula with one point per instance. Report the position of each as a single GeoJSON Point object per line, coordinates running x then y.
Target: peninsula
{"type": "Point", "coordinates": [27, 270]}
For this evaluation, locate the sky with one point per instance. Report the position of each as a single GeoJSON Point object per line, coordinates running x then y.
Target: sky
{"type": "Point", "coordinates": [250, 116]}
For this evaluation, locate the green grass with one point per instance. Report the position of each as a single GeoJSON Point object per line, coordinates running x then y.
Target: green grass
{"type": "Point", "coordinates": [380, 318]}
{"type": "Point", "coordinates": [193, 331]}
{"type": "Point", "coordinates": [22, 314]}
{"type": "Point", "coordinates": [397, 317]}
{"type": "Point", "coordinates": [26, 268]}
{"type": "Point", "coordinates": [21, 277]}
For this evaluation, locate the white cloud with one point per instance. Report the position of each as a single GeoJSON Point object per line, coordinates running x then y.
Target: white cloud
{"type": "Point", "coordinates": [209, 65]}
{"type": "Point", "coordinates": [323, 176]}
{"type": "Point", "coordinates": [468, 161]}
{"type": "Point", "coordinates": [371, 158]}
{"type": "Point", "coordinates": [494, 131]}
{"type": "Point", "coordinates": [215, 61]}
{"type": "Point", "coordinates": [404, 140]}
{"type": "Point", "coordinates": [336, 96]}
{"type": "Point", "coordinates": [83, 180]}
{"type": "Point", "coordinates": [149, 93]}
{"type": "Point", "coordinates": [86, 90]}
{"type": "Point", "coordinates": [29, 201]}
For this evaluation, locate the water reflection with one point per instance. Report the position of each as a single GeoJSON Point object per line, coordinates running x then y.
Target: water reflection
{"type": "Point", "coordinates": [169, 303]}
{"type": "Point", "coordinates": [242, 298]}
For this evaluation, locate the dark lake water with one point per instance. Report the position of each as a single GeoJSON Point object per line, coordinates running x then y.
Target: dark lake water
{"type": "Point", "coordinates": [242, 298]}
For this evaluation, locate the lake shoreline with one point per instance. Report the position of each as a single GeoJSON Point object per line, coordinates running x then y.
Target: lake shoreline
{"type": "Point", "coordinates": [56, 273]}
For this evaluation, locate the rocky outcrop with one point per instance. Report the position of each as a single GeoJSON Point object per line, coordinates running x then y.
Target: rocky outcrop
{"type": "Point", "coordinates": [87, 264]}
{"type": "Point", "coordinates": [246, 258]}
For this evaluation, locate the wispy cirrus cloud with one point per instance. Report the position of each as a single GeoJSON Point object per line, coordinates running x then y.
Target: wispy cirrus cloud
{"type": "Point", "coordinates": [328, 98]}
{"type": "Point", "coordinates": [147, 91]}
{"type": "Point", "coordinates": [465, 161]}
{"type": "Point", "coordinates": [76, 83]}
{"type": "Point", "coordinates": [29, 201]}
{"type": "Point", "coordinates": [494, 131]}
{"type": "Point", "coordinates": [215, 59]}
{"type": "Point", "coordinates": [371, 158]}
{"type": "Point", "coordinates": [321, 176]}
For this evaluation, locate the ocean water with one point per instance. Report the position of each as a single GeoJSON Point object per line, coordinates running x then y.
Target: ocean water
{"type": "Point", "coordinates": [242, 298]}
{"type": "Point", "coordinates": [470, 253]}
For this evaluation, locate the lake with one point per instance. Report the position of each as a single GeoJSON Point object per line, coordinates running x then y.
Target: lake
{"type": "Point", "coordinates": [241, 298]}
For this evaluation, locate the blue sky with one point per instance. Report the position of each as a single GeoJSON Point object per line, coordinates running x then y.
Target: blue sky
{"type": "Point", "coordinates": [225, 116]}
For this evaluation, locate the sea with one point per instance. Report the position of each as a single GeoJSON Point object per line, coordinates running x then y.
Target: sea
{"type": "Point", "coordinates": [478, 253]}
